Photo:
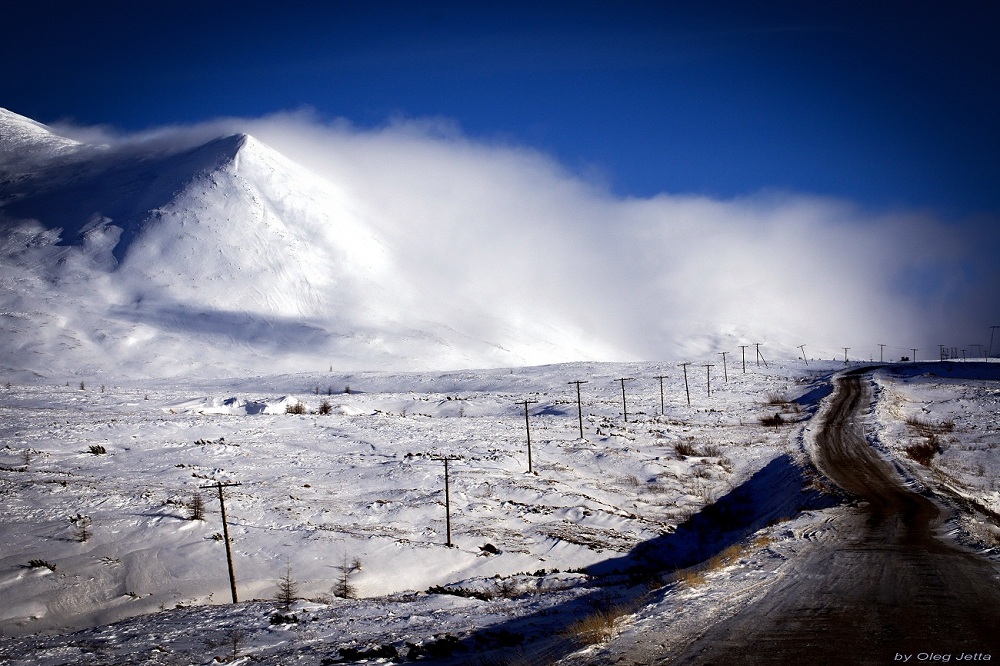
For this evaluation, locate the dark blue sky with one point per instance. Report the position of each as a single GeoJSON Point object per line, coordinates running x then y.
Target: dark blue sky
{"type": "Point", "coordinates": [882, 103]}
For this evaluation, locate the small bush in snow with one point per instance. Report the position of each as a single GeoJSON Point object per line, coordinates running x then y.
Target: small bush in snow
{"type": "Point", "coordinates": [196, 508]}
{"type": "Point", "coordinates": [924, 452]}
{"type": "Point", "coordinates": [97, 449]}
{"type": "Point", "coordinates": [288, 588]}
{"type": "Point", "coordinates": [82, 524]}
{"type": "Point", "coordinates": [297, 408]}
{"type": "Point", "coordinates": [38, 564]}
{"type": "Point", "coordinates": [343, 587]}
{"type": "Point", "coordinates": [684, 449]}
{"type": "Point", "coordinates": [774, 421]}
{"type": "Point", "coordinates": [325, 407]}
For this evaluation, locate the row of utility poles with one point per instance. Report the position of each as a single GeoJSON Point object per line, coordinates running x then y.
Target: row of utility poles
{"type": "Point", "coordinates": [579, 406]}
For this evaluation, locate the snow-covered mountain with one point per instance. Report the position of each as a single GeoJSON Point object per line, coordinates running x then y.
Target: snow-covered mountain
{"type": "Point", "coordinates": [224, 257]}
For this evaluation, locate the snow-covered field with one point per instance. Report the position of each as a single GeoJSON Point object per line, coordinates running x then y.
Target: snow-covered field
{"type": "Point", "coordinates": [357, 496]}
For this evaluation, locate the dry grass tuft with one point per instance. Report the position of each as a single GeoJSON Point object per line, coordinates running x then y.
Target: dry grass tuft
{"type": "Point", "coordinates": [597, 627]}
{"type": "Point", "coordinates": [929, 428]}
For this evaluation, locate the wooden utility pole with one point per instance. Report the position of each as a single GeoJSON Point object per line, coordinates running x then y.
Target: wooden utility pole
{"type": "Point", "coordinates": [661, 378]}
{"type": "Point", "coordinates": [579, 404]}
{"type": "Point", "coordinates": [760, 356]}
{"type": "Point", "coordinates": [803, 349]}
{"type": "Point", "coordinates": [881, 351]}
{"type": "Point", "coordinates": [687, 391]}
{"type": "Point", "coordinates": [744, 348]}
{"type": "Point", "coordinates": [225, 535]}
{"type": "Point", "coordinates": [624, 406]}
{"type": "Point", "coordinates": [527, 429]}
{"type": "Point", "coordinates": [993, 330]}
{"type": "Point", "coordinates": [708, 377]}
{"type": "Point", "coordinates": [914, 355]}
{"type": "Point", "coordinates": [725, 372]}
{"type": "Point", "coordinates": [447, 495]}
{"type": "Point", "coordinates": [845, 354]}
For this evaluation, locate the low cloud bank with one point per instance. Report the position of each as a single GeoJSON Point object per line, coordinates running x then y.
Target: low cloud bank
{"type": "Point", "coordinates": [507, 226]}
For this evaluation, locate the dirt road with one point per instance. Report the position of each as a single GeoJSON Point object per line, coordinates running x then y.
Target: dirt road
{"type": "Point", "coordinates": [890, 589]}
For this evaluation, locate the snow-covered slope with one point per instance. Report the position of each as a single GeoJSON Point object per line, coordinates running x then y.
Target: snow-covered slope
{"type": "Point", "coordinates": [222, 258]}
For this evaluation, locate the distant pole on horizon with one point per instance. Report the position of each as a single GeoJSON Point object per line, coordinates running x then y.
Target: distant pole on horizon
{"type": "Point", "coordinates": [579, 404]}
{"type": "Point", "coordinates": [963, 355]}
{"type": "Point", "coordinates": [661, 378]}
{"type": "Point", "coordinates": [744, 348]}
{"type": "Point", "coordinates": [914, 355]}
{"type": "Point", "coordinates": [881, 350]}
{"type": "Point", "coordinates": [941, 352]}
{"type": "Point", "coordinates": [972, 346]}
{"type": "Point", "coordinates": [803, 349]}
{"type": "Point", "coordinates": [624, 405]}
{"type": "Point", "coordinates": [527, 431]}
{"type": "Point", "coordinates": [725, 372]}
{"type": "Point", "coordinates": [760, 357]}
{"type": "Point", "coordinates": [845, 355]}
{"type": "Point", "coordinates": [687, 391]}
{"type": "Point", "coordinates": [992, 331]}
{"type": "Point", "coordinates": [708, 377]}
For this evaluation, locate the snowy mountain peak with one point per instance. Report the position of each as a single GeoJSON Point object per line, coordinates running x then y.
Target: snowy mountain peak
{"type": "Point", "coordinates": [222, 258]}
{"type": "Point", "coordinates": [24, 142]}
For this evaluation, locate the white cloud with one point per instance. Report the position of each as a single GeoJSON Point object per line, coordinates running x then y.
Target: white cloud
{"type": "Point", "coordinates": [508, 228]}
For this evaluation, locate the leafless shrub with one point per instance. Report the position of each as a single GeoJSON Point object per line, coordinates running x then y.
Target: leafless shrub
{"type": "Point", "coordinates": [924, 452]}
{"type": "Point", "coordinates": [295, 408]}
{"type": "Point", "coordinates": [325, 407]}
{"type": "Point", "coordinates": [97, 449]}
{"type": "Point", "coordinates": [777, 399]}
{"type": "Point", "coordinates": [711, 451]}
{"type": "Point", "coordinates": [685, 449]}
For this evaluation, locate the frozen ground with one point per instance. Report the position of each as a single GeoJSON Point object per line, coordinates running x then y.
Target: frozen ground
{"type": "Point", "coordinates": [320, 492]}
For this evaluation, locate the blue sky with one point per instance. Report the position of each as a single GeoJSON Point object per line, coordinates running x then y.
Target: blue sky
{"type": "Point", "coordinates": [886, 104]}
